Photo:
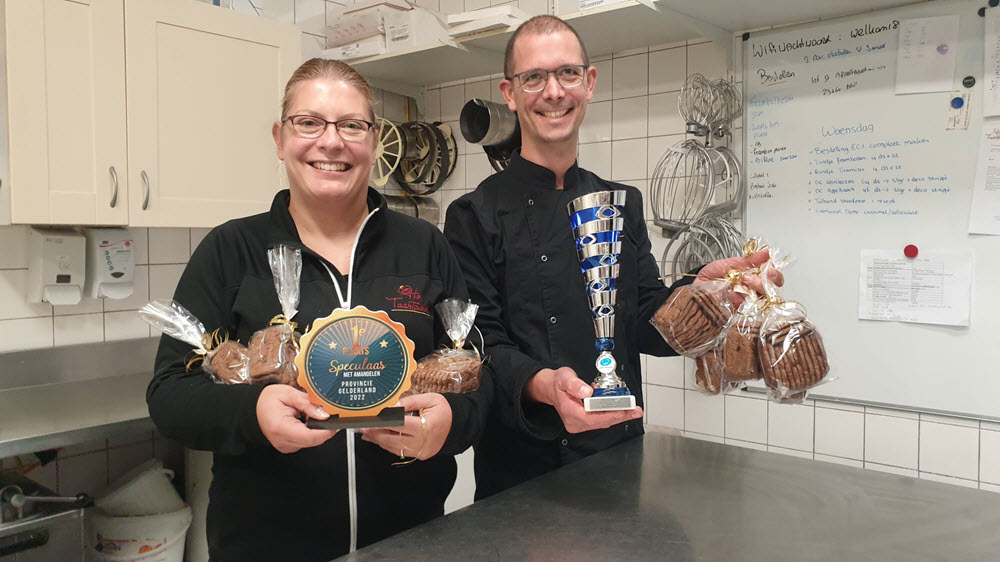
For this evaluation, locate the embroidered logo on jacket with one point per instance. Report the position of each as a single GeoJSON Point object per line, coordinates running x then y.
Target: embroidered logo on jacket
{"type": "Point", "coordinates": [408, 299]}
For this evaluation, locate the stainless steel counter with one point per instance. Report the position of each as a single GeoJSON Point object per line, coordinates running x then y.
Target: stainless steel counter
{"type": "Point", "coordinates": [662, 497]}
{"type": "Point", "coordinates": [60, 396]}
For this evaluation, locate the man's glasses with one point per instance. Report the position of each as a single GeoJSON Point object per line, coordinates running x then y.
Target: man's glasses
{"type": "Point", "coordinates": [568, 75]}
{"type": "Point", "coordinates": [311, 127]}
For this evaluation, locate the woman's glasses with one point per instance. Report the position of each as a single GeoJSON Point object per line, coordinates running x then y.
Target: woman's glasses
{"type": "Point", "coordinates": [311, 127]}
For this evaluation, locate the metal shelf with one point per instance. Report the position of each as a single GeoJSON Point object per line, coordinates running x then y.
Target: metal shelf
{"type": "Point", "coordinates": [61, 414]}
{"type": "Point", "coordinates": [54, 397]}
{"type": "Point", "coordinates": [605, 29]}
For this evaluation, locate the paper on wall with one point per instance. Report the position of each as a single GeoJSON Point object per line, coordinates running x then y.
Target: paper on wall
{"type": "Point", "coordinates": [925, 59]}
{"type": "Point", "coordinates": [933, 288]}
{"type": "Point", "coordinates": [984, 215]}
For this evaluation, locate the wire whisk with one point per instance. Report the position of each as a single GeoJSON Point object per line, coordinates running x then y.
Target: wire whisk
{"type": "Point", "coordinates": [696, 184]}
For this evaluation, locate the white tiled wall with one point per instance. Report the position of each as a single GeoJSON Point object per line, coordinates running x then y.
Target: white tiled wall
{"type": "Point", "coordinates": [160, 258]}
{"type": "Point", "coordinates": [946, 449]}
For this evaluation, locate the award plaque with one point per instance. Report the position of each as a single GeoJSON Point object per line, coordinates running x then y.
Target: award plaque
{"type": "Point", "coordinates": [597, 224]}
{"type": "Point", "coordinates": [354, 363]}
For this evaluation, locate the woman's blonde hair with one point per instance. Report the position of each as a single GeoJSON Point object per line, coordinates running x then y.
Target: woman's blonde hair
{"type": "Point", "coordinates": [327, 68]}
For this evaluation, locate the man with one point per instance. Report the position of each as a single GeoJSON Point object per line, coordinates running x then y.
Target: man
{"type": "Point", "coordinates": [513, 239]}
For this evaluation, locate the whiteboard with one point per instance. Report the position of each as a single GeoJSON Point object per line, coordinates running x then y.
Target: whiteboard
{"type": "Point", "coordinates": [820, 97]}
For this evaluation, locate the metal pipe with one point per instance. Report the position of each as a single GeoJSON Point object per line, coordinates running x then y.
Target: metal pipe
{"type": "Point", "coordinates": [489, 124]}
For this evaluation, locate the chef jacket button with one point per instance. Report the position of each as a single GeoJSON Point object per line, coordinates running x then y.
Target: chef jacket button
{"type": "Point", "coordinates": [565, 442]}
{"type": "Point", "coordinates": [552, 320]}
{"type": "Point", "coordinates": [627, 427]}
{"type": "Point", "coordinates": [545, 258]}
{"type": "Point", "coordinates": [531, 202]}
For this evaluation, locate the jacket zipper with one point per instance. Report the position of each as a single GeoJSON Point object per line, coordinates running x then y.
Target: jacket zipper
{"type": "Point", "coordinates": [352, 468]}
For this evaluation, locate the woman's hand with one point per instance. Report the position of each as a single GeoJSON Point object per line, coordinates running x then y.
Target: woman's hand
{"type": "Point", "coordinates": [421, 436]}
{"type": "Point", "coordinates": [279, 409]}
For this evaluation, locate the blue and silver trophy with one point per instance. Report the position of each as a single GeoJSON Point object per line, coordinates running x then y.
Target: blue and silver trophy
{"type": "Point", "coordinates": [597, 224]}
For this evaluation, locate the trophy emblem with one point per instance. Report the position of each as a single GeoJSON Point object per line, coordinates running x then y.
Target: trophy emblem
{"type": "Point", "coordinates": [356, 364]}
{"type": "Point", "coordinates": [597, 222]}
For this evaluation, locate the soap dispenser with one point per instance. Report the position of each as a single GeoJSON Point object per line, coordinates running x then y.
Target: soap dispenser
{"type": "Point", "coordinates": [56, 266]}
{"type": "Point", "coordinates": [110, 263]}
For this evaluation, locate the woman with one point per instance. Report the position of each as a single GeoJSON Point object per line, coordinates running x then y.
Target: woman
{"type": "Point", "coordinates": [280, 491]}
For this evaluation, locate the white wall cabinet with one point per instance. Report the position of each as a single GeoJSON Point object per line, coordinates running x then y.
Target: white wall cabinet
{"type": "Point", "coordinates": [140, 112]}
{"type": "Point", "coordinates": [204, 87]}
{"type": "Point", "coordinates": [66, 112]}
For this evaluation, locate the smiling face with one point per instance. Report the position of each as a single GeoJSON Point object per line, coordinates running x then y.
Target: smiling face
{"type": "Point", "coordinates": [551, 117]}
{"type": "Point", "coordinates": [328, 166]}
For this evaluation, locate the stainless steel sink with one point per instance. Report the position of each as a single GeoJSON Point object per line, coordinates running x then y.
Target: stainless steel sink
{"type": "Point", "coordinates": [13, 485]}
{"type": "Point", "coordinates": [32, 528]}
{"type": "Point", "coordinates": [44, 537]}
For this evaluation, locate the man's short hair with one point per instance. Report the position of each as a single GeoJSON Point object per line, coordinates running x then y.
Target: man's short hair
{"type": "Point", "coordinates": [539, 25]}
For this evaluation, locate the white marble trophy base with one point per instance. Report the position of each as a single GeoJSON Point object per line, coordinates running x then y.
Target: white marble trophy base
{"type": "Point", "coordinates": [608, 403]}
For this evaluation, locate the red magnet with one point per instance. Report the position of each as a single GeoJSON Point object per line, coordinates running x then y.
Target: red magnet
{"type": "Point", "coordinates": [910, 251]}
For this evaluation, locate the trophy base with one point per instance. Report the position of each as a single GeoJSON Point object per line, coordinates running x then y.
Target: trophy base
{"type": "Point", "coordinates": [608, 403]}
{"type": "Point", "coordinates": [388, 417]}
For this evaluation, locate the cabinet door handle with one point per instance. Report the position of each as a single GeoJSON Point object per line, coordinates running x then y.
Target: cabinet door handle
{"type": "Point", "coordinates": [145, 183]}
{"type": "Point", "coordinates": [114, 179]}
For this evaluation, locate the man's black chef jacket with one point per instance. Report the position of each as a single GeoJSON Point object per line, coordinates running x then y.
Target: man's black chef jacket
{"type": "Point", "coordinates": [513, 239]}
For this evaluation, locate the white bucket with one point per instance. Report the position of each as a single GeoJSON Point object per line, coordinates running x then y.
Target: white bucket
{"type": "Point", "coordinates": [144, 490]}
{"type": "Point", "coordinates": [150, 538]}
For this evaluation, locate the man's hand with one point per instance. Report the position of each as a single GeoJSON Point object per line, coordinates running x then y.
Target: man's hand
{"type": "Point", "coordinates": [563, 390]}
{"type": "Point", "coordinates": [418, 438]}
{"type": "Point", "coordinates": [719, 268]}
{"type": "Point", "coordinates": [279, 407]}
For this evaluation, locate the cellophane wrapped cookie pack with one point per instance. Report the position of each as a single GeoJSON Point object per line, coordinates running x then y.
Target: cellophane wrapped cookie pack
{"type": "Point", "coordinates": [792, 356]}
{"type": "Point", "coordinates": [765, 337]}
{"type": "Point", "coordinates": [227, 361]}
{"type": "Point", "coordinates": [694, 316]}
{"type": "Point", "coordinates": [736, 350]}
{"type": "Point", "coordinates": [708, 376]}
{"type": "Point", "coordinates": [732, 360]}
{"type": "Point", "coordinates": [273, 349]}
{"type": "Point", "coordinates": [454, 369]}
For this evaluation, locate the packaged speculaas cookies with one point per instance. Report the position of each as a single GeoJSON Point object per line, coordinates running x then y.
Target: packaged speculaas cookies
{"type": "Point", "coordinates": [227, 361]}
{"type": "Point", "coordinates": [792, 356]}
{"type": "Point", "coordinates": [452, 369]}
{"type": "Point", "coordinates": [736, 350]}
{"type": "Point", "coordinates": [708, 376]}
{"type": "Point", "coordinates": [272, 355]}
{"type": "Point", "coordinates": [273, 349]}
{"type": "Point", "coordinates": [694, 316]}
